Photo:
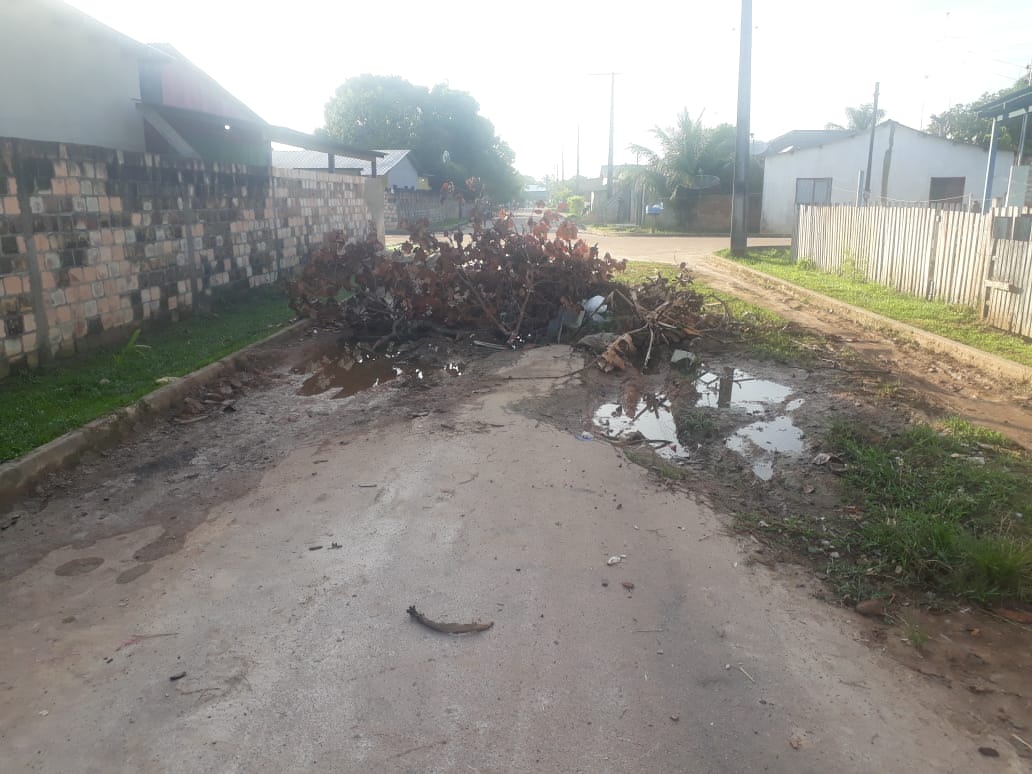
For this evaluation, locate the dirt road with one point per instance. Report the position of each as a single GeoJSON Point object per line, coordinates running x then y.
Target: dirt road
{"type": "Point", "coordinates": [669, 249]}
{"type": "Point", "coordinates": [230, 595]}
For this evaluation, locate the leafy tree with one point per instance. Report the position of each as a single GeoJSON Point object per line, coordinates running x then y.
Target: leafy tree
{"type": "Point", "coordinates": [449, 139]}
{"type": "Point", "coordinates": [858, 118]}
{"type": "Point", "coordinates": [961, 122]}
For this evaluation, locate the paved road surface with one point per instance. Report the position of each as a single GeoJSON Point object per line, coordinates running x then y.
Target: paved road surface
{"type": "Point", "coordinates": [668, 249]}
{"type": "Point", "coordinates": [296, 660]}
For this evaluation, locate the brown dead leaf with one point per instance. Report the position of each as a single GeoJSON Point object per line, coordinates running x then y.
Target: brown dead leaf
{"type": "Point", "coordinates": [795, 741]}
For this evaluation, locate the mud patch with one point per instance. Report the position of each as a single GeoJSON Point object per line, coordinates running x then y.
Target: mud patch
{"type": "Point", "coordinates": [168, 543]}
{"type": "Point", "coordinates": [79, 566]}
{"type": "Point", "coordinates": [128, 576]}
{"type": "Point", "coordinates": [164, 463]}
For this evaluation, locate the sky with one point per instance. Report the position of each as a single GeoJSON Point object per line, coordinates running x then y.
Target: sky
{"type": "Point", "coordinates": [539, 70]}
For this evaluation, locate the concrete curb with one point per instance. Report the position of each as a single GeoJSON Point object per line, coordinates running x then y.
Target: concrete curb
{"type": "Point", "coordinates": [996, 365]}
{"type": "Point", "coordinates": [18, 475]}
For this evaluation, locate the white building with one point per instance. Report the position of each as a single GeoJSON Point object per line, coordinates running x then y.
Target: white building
{"type": "Point", "coordinates": [396, 166]}
{"type": "Point", "coordinates": [908, 166]}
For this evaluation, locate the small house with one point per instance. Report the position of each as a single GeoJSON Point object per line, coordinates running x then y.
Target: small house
{"type": "Point", "coordinates": [908, 167]}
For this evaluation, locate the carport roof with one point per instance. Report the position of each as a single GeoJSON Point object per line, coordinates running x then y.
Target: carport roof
{"type": "Point", "coordinates": [1010, 105]}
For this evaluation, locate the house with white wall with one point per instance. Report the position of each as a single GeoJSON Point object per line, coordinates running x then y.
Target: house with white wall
{"type": "Point", "coordinates": [908, 166]}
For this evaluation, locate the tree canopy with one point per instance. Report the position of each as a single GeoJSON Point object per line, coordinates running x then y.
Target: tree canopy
{"type": "Point", "coordinates": [449, 139]}
{"type": "Point", "coordinates": [686, 154]}
{"type": "Point", "coordinates": [961, 122]}
{"type": "Point", "coordinates": [858, 118]}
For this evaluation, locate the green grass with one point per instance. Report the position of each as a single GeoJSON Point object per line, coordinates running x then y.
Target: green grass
{"type": "Point", "coordinates": [763, 333]}
{"type": "Point", "coordinates": [40, 405]}
{"type": "Point", "coordinates": [944, 511]}
{"type": "Point", "coordinates": [952, 321]}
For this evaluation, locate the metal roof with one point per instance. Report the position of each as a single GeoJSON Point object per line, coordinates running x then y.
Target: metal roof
{"type": "Point", "coordinates": [798, 139]}
{"type": "Point", "coordinates": [185, 85]}
{"type": "Point", "coordinates": [313, 159]}
{"type": "Point", "coordinates": [1008, 106]}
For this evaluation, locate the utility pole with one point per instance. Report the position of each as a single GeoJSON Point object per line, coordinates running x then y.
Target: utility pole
{"type": "Point", "coordinates": [612, 123]}
{"type": "Point", "coordinates": [740, 193]}
{"type": "Point", "coordinates": [562, 160]}
{"type": "Point", "coordinates": [870, 146]}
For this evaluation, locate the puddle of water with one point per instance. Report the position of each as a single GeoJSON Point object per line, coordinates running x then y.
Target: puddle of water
{"type": "Point", "coordinates": [748, 393]}
{"type": "Point", "coordinates": [79, 566]}
{"type": "Point", "coordinates": [792, 405]}
{"type": "Point", "coordinates": [655, 424]}
{"type": "Point", "coordinates": [760, 442]}
{"type": "Point", "coordinates": [350, 376]}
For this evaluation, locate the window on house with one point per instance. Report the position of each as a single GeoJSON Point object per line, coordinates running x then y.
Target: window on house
{"type": "Point", "coordinates": [946, 190]}
{"type": "Point", "coordinates": [1023, 228]}
{"type": "Point", "coordinates": [813, 190]}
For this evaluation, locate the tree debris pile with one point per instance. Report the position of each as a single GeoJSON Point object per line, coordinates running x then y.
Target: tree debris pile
{"type": "Point", "coordinates": [523, 284]}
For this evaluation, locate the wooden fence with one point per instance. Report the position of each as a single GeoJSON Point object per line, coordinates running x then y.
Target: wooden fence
{"type": "Point", "coordinates": [942, 254]}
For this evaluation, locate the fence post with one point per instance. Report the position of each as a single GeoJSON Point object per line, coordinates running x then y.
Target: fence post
{"type": "Point", "coordinates": [794, 252]}
{"type": "Point", "coordinates": [932, 248]}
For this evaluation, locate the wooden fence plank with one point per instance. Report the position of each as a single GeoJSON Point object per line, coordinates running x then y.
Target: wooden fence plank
{"type": "Point", "coordinates": [945, 254]}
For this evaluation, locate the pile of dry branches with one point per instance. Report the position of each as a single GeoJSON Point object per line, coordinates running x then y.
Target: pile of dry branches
{"type": "Point", "coordinates": [522, 284]}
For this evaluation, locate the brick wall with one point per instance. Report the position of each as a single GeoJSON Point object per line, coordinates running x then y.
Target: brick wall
{"type": "Point", "coordinates": [404, 207]}
{"type": "Point", "coordinates": [94, 241]}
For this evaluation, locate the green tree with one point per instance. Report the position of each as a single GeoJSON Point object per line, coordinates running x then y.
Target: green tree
{"type": "Point", "coordinates": [449, 139]}
{"type": "Point", "coordinates": [858, 118]}
{"type": "Point", "coordinates": [961, 122]}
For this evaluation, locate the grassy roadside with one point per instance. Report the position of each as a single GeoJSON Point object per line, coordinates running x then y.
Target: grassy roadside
{"type": "Point", "coordinates": [38, 406]}
{"type": "Point", "coordinates": [951, 321]}
{"type": "Point", "coordinates": [942, 510]}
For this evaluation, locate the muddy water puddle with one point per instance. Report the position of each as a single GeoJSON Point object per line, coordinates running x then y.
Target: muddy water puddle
{"type": "Point", "coordinates": [760, 443]}
{"type": "Point", "coordinates": [350, 375]}
{"type": "Point", "coordinates": [747, 393]}
{"type": "Point", "coordinates": [652, 422]}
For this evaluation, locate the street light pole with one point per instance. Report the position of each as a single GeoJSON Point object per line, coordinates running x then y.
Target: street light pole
{"type": "Point", "coordinates": [740, 193]}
